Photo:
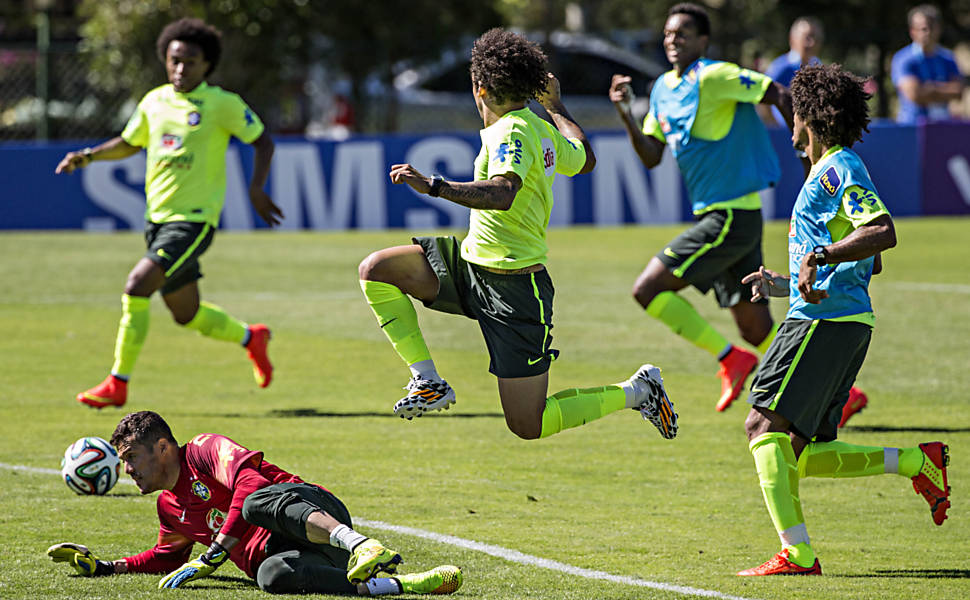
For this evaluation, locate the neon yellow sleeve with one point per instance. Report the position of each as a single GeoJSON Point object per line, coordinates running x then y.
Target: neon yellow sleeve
{"type": "Point", "coordinates": [727, 81]}
{"type": "Point", "coordinates": [570, 155]}
{"type": "Point", "coordinates": [652, 127]}
{"type": "Point", "coordinates": [136, 131]}
{"type": "Point", "coordinates": [860, 206]}
{"type": "Point", "coordinates": [240, 120]}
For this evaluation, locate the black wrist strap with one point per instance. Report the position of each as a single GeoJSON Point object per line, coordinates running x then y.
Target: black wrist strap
{"type": "Point", "coordinates": [215, 555]}
{"type": "Point", "coordinates": [436, 182]}
{"type": "Point", "coordinates": [103, 567]}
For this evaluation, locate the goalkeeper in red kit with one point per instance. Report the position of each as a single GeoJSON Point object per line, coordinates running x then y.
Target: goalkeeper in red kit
{"type": "Point", "coordinates": [288, 535]}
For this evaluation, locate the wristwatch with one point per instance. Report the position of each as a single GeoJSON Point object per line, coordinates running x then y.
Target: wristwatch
{"type": "Point", "coordinates": [821, 256]}
{"type": "Point", "coordinates": [436, 182]}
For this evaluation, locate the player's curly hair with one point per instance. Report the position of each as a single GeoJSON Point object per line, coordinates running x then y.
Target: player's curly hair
{"type": "Point", "coordinates": [696, 12]}
{"type": "Point", "coordinates": [144, 428]}
{"type": "Point", "coordinates": [510, 67]}
{"type": "Point", "coordinates": [832, 102]}
{"type": "Point", "coordinates": [195, 31]}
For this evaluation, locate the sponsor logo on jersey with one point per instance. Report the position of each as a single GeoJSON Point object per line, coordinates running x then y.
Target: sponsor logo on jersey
{"type": "Point", "coordinates": [195, 118]}
{"type": "Point", "coordinates": [250, 118]}
{"type": "Point", "coordinates": [830, 181]}
{"type": "Point", "coordinates": [215, 519]}
{"type": "Point", "coordinates": [745, 79]}
{"type": "Point", "coordinates": [170, 141]}
{"type": "Point", "coordinates": [201, 490]}
{"type": "Point", "coordinates": [791, 227]}
{"type": "Point", "coordinates": [664, 124]}
{"type": "Point", "coordinates": [859, 200]}
{"type": "Point", "coordinates": [548, 156]}
{"type": "Point", "coordinates": [505, 151]}
{"type": "Point", "coordinates": [797, 250]}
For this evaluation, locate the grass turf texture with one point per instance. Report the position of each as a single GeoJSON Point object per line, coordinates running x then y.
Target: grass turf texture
{"type": "Point", "coordinates": [611, 496]}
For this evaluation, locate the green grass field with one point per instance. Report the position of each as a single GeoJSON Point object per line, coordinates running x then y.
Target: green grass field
{"type": "Point", "coordinates": [611, 496]}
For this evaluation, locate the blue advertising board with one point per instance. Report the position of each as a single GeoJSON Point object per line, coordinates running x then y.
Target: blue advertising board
{"type": "Point", "coordinates": [329, 185]}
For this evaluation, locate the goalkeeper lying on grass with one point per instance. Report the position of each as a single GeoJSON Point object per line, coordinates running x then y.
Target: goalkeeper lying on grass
{"type": "Point", "coordinates": [290, 536]}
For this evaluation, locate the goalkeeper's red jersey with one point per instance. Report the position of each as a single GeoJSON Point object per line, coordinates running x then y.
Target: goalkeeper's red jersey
{"type": "Point", "coordinates": [198, 507]}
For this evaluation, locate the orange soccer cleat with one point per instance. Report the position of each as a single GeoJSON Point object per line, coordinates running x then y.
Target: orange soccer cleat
{"type": "Point", "coordinates": [780, 565]}
{"type": "Point", "coordinates": [856, 402]}
{"type": "Point", "coordinates": [110, 392]}
{"type": "Point", "coordinates": [930, 482]}
{"type": "Point", "coordinates": [736, 367]}
{"type": "Point", "coordinates": [259, 336]}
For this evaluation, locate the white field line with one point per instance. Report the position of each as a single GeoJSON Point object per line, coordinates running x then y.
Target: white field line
{"type": "Point", "coordinates": [492, 550]}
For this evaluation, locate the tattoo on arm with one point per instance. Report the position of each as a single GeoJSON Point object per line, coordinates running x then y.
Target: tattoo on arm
{"type": "Point", "coordinates": [492, 194]}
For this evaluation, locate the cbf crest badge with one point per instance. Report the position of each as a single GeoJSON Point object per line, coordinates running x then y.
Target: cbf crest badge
{"type": "Point", "coordinates": [195, 118]}
{"type": "Point", "coordinates": [201, 490]}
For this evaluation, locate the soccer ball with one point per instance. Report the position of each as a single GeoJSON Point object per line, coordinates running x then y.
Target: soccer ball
{"type": "Point", "coordinates": [90, 466]}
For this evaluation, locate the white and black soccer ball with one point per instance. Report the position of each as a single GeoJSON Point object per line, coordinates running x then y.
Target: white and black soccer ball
{"type": "Point", "coordinates": [90, 466]}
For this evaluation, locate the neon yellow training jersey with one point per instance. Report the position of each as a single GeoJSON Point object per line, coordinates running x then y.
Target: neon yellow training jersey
{"type": "Point", "coordinates": [519, 142]}
{"type": "Point", "coordinates": [186, 136]}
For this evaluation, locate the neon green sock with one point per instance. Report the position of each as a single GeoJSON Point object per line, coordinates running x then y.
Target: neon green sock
{"type": "Point", "coordinates": [398, 320]}
{"type": "Point", "coordinates": [777, 468]}
{"type": "Point", "coordinates": [838, 459]}
{"type": "Point", "coordinates": [212, 321]}
{"type": "Point", "coordinates": [575, 407]}
{"type": "Point", "coordinates": [763, 346]}
{"type": "Point", "coordinates": [131, 333]}
{"type": "Point", "coordinates": [681, 317]}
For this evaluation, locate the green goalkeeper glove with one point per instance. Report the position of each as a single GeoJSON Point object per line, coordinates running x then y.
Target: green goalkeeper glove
{"type": "Point", "coordinates": [79, 557]}
{"type": "Point", "coordinates": [201, 567]}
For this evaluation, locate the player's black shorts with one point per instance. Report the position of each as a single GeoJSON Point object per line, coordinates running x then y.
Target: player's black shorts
{"type": "Point", "coordinates": [514, 311]}
{"type": "Point", "coordinates": [718, 251]}
{"type": "Point", "coordinates": [283, 508]}
{"type": "Point", "coordinates": [806, 374]}
{"type": "Point", "coordinates": [176, 248]}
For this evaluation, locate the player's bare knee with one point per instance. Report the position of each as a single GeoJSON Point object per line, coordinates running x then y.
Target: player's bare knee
{"type": "Point", "coordinates": [365, 270]}
{"type": "Point", "coordinates": [643, 292]}
{"type": "Point", "coordinates": [755, 424]}
{"type": "Point", "coordinates": [527, 429]}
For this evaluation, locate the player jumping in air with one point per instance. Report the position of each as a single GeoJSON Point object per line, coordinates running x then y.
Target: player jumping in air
{"type": "Point", "coordinates": [703, 109]}
{"type": "Point", "coordinates": [290, 536]}
{"type": "Point", "coordinates": [838, 225]}
{"type": "Point", "coordinates": [497, 275]}
{"type": "Point", "coordinates": [185, 128]}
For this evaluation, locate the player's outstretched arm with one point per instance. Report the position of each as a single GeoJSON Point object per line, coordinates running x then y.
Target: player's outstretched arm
{"type": "Point", "coordinates": [203, 566]}
{"type": "Point", "coordinates": [648, 148]}
{"type": "Point", "coordinates": [81, 559]}
{"type": "Point", "coordinates": [551, 100]}
{"type": "Point", "coordinates": [114, 149]}
{"type": "Point", "coordinates": [263, 148]}
{"type": "Point", "coordinates": [496, 193]}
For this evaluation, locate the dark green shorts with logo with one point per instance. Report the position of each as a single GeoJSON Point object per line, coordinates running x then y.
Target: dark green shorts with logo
{"type": "Point", "coordinates": [514, 312]}
{"type": "Point", "coordinates": [806, 374]}
{"type": "Point", "coordinates": [176, 248]}
{"type": "Point", "coordinates": [723, 247]}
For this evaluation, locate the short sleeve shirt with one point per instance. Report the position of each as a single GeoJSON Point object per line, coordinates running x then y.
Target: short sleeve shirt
{"type": "Point", "coordinates": [912, 62]}
{"type": "Point", "coordinates": [196, 508]}
{"type": "Point", "coordinates": [186, 136]}
{"type": "Point", "coordinates": [722, 86]}
{"type": "Point", "coordinates": [519, 142]}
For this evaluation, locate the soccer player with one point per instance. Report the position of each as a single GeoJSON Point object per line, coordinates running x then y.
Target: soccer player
{"type": "Point", "coordinates": [805, 39]}
{"type": "Point", "coordinates": [292, 537]}
{"type": "Point", "coordinates": [703, 109]}
{"type": "Point", "coordinates": [838, 225]}
{"type": "Point", "coordinates": [925, 74]}
{"type": "Point", "coordinates": [497, 275]}
{"type": "Point", "coordinates": [185, 128]}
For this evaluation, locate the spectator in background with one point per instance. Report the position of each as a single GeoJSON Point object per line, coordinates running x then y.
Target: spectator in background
{"type": "Point", "coordinates": [924, 73]}
{"type": "Point", "coordinates": [804, 40]}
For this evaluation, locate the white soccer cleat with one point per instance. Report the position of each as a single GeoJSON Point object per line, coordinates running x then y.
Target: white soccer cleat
{"type": "Point", "coordinates": [424, 395]}
{"type": "Point", "coordinates": [652, 400]}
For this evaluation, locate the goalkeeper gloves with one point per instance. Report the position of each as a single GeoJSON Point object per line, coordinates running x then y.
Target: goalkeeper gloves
{"type": "Point", "coordinates": [79, 557]}
{"type": "Point", "coordinates": [201, 567]}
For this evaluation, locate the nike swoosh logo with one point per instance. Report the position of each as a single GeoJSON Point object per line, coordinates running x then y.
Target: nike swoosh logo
{"type": "Point", "coordinates": [388, 322]}
{"type": "Point", "coordinates": [533, 361]}
{"type": "Point", "coordinates": [670, 253]}
{"type": "Point", "coordinates": [759, 390]}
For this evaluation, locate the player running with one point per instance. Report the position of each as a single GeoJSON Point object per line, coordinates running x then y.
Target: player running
{"type": "Point", "coordinates": [497, 275]}
{"type": "Point", "coordinates": [838, 225]}
{"type": "Point", "coordinates": [185, 128]}
{"type": "Point", "coordinates": [703, 109]}
{"type": "Point", "coordinates": [290, 536]}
